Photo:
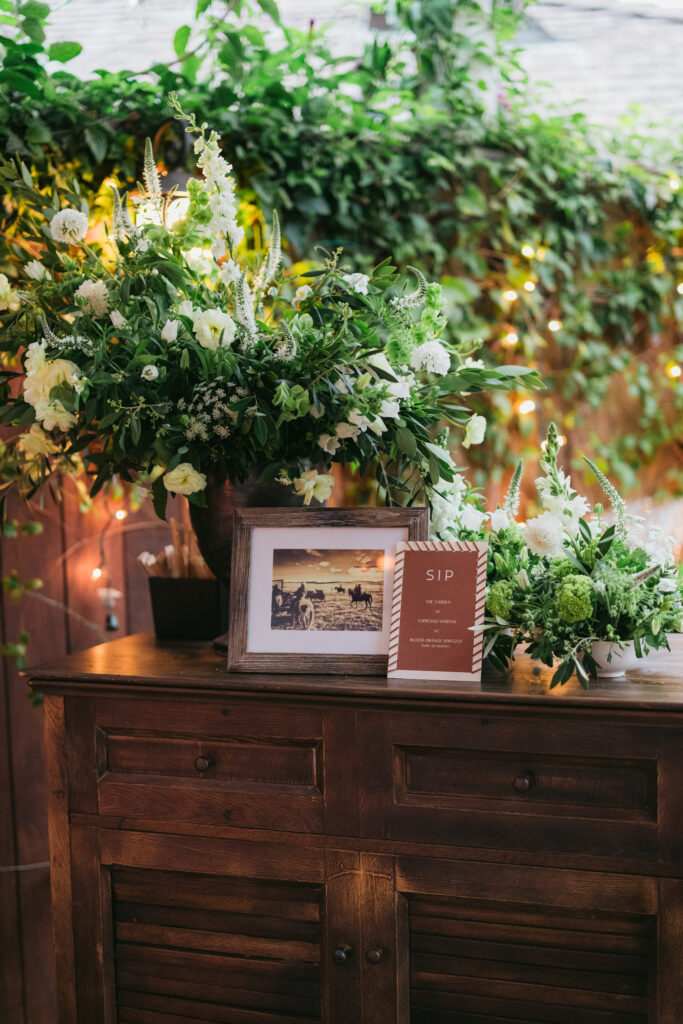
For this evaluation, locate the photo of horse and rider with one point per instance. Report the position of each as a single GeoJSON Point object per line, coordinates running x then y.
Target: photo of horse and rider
{"type": "Point", "coordinates": [327, 589]}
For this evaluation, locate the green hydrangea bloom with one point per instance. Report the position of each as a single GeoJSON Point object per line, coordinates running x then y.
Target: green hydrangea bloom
{"type": "Point", "coordinates": [573, 598]}
{"type": "Point", "coordinates": [560, 569]}
{"type": "Point", "coordinates": [499, 601]}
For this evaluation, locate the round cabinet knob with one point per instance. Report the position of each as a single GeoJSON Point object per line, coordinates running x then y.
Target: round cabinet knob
{"type": "Point", "coordinates": [373, 956]}
{"type": "Point", "coordinates": [341, 954]}
{"type": "Point", "coordinates": [202, 764]}
{"type": "Point", "coordinates": [523, 783]}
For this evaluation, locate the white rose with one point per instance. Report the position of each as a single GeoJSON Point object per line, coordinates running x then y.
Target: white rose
{"type": "Point", "coordinates": [328, 443]}
{"type": "Point", "coordinates": [212, 328]}
{"type": "Point", "coordinates": [43, 375]}
{"type": "Point", "coordinates": [475, 431]}
{"type": "Point", "coordinates": [544, 535]}
{"type": "Point", "coordinates": [500, 520]}
{"type": "Point", "coordinates": [69, 226]}
{"type": "Point", "coordinates": [471, 518]}
{"type": "Point", "coordinates": [302, 293]}
{"type": "Point", "coordinates": [184, 479]}
{"type": "Point", "coordinates": [358, 282]}
{"type": "Point", "coordinates": [344, 430]}
{"type": "Point", "coordinates": [8, 298]}
{"type": "Point", "coordinates": [149, 372]}
{"type": "Point", "coordinates": [36, 271]}
{"type": "Point", "coordinates": [116, 319]}
{"type": "Point", "coordinates": [95, 297]}
{"type": "Point", "coordinates": [36, 442]}
{"type": "Point", "coordinates": [431, 356]}
{"type": "Point", "coordinates": [169, 331]}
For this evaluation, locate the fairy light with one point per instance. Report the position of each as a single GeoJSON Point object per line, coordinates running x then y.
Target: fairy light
{"type": "Point", "coordinates": [120, 514]}
{"type": "Point", "coordinates": [96, 574]}
{"type": "Point", "coordinates": [674, 370]}
{"type": "Point", "coordinates": [679, 289]}
{"type": "Point", "coordinates": [674, 183]}
{"type": "Point", "coordinates": [510, 339]}
{"type": "Point", "coordinates": [529, 286]}
{"type": "Point", "coordinates": [528, 251]}
{"type": "Point", "coordinates": [527, 406]}
{"type": "Point", "coordinates": [510, 295]}
{"type": "Point", "coordinates": [554, 325]}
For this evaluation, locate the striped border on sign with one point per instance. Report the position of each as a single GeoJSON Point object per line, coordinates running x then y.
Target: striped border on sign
{"type": "Point", "coordinates": [481, 549]}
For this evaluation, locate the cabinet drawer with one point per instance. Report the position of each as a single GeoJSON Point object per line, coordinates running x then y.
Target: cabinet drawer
{"type": "Point", "coordinates": [255, 766]}
{"type": "Point", "coordinates": [523, 782]}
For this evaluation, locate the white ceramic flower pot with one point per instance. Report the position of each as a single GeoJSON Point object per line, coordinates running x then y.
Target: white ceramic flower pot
{"type": "Point", "coordinates": [613, 660]}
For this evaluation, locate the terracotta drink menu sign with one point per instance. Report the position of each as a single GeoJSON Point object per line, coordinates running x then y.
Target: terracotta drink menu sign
{"type": "Point", "coordinates": [439, 594]}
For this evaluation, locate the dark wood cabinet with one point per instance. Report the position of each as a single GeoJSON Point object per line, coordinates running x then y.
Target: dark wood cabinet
{"type": "Point", "coordinates": [281, 850]}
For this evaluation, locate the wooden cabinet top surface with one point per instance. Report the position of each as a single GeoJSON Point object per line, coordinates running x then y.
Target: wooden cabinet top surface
{"type": "Point", "coordinates": [142, 664]}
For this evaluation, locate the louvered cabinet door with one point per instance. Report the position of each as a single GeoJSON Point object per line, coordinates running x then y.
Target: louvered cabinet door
{"type": "Point", "coordinates": [200, 930]}
{"type": "Point", "coordinates": [517, 945]}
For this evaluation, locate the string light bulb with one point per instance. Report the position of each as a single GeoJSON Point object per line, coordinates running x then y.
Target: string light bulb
{"type": "Point", "coordinates": [674, 183]}
{"type": "Point", "coordinates": [527, 406]}
{"type": "Point", "coordinates": [554, 325]}
{"type": "Point", "coordinates": [679, 289]}
{"type": "Point", "coordinates": [529, 286]}
{"type": "Point", "coordinates": [120, 514]}
{"type": "Point", "coordinates": [510, 295]}
{"type": "Point", "coordinates": [510, 339]}
{"type": "Point", "coordinates": [96, 574]}
{"type": "Point", "coordinates": [674, 370]}
{"type": "Point", "coordinates": [528, 251]}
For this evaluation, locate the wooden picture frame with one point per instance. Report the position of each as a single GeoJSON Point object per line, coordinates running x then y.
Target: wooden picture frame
{"type": "Point", "coordinates": [271, 543]}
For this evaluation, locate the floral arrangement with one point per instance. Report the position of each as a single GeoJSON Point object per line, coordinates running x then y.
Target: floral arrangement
{"type": "Point", "coordinates": [564, 581]}
{"type": "Point", "coordinates": [161, 354]}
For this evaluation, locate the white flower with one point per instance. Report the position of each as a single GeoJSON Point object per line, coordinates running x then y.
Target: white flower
{"type": "Point", "coordinates": [69, 226]}
{"type": "Point", "coordinates": [378, 426]}
{"type": "Point", "coordinates": [544, 534]}
{"type": "Point", "coordinates": [43, 375]}
{"type": "Point", "coordinates": [401, 389]}
{"type": "Point", "coordinates": [658, 546]}
{"type": "Point", "coordinates": [358, 282]}
{"type": "Point", "coordinates": [380, 362]}
{"type": "Point", "coordinates": [475, 431]}
{"type": "Point", "coordinates": [431, 356]}
{"type": "Point", "coordinates": [302, 293]}
{"type": "Point", "coordinates": [471, 518]}
{"type": "Point", "coordinates": [95, 297]}
{"type": "Point", "coordinates": [316, 413]}
{"type": "Point", "coordinates": [344, 430]}
{"type": "Point", "coordinates": [599, 586]}
{"type": "Point", "coordinates": [116, 319]}
{"type": "Point", "coordinates": [185, 308]}
{"type": "Point", "coordinates": [500, 520]}
{"type": "Point", "coordinates": [169, 332]}
{"type": "Point", "coordinates": [314, 485]}
{"type": "Point", "coordinates": [36, 442]}
{"type": "Point", "coordinates": [36, 271]}
{"type": "Point", "coordinates": [77, 383]}
{"type": "Point", "coordinates": [8, 298]}
{"type": "Point", "coordinates": [142, 245]}
{"type": "Point", "coordinates": [149, 372]}
{"type": "Point", "coordinates": [667, 586]}
{"type": "Point", "coordinates": [390, 409]}
{"type": "Point", "coordinates": [473, 364]}
{"type": "Point", "coordinates": [522, 577]}
{"type": "Point", "coordinates": [230, 272]}
{"type": "Point", "coordinates": [359, 420]}
{"type": "Point", "coordinates": [212, 328]}
{"type": "Point", "coordinates": [184, 479]}
{"type": "Point", "coordinates": [328, 443]}
{"type": "Point", "coordinates": [199, 261]}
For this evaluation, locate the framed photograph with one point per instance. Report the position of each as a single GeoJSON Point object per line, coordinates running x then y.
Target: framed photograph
{"type": "Point", "coordinates": [311, 589]}
{"type": "Point", "coordinates": [439, 596]}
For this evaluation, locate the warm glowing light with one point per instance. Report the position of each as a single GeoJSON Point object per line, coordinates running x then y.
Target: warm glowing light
{"type": "Point", "coordinates": [510, 339]}
{"type": "Point", "coordinates": [96, 573]}
{"type": "Point", "coordinates": [121, 514]}
{"type": "Point", "coordinates": [528, 251]}
{"type": "Point", "coordinates": [529, 286]}
{"type": "Point", "coordinates": [679, 289]}
{"type": "Point", "coordinates": [674, 183]}
{"type": "Point", "coordinates": [674, 370]}
{"type": "Point", "coordinates": [510, 295]}
{"type": "Point", "coordinates": [527, 406]}
{"type": "Point", "coordinates": [554, 325]}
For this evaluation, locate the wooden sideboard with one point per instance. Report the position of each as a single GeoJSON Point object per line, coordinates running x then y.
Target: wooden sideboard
{"type": "Point", "coordinates": [272, 849]}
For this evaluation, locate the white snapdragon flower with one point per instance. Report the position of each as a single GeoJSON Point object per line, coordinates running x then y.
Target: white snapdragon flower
{"type": "Point", "coordinates": [314, 485]}
{"type": "Point", "coordinates": [36, 270]}
{"type": "Point", "coordinates": [390, 409]}
{"type": "Point", "coordinates": [344, 430]}
{"type": "Point", "coordinates": [36, 442]}
{"type": "Point", "coordinates": [117, 319]}
{"type": "Point", "coordinates": [213, 328]}
{"type": "Point", "coordinates": [328, 443]}
{"type": "Point", "coordinates": [472, 519]}
{"type": "Point", "coordinates": [357, 282]}
{"type": "Point", "coordinates": [500, 520]}
{"type": "Point", "coordinates": [431, 356]}
{"type": "Point", "coordinates": [544, 535]}
{"type": "Point", "coordinates": [230, 272]}
{"type": "Point", "coordinates": [41, 376]}
{"type": "Point", "coordinates": [302, 293]}
{"type": "Point", "coordinates": [169, 332]}
{"type": "Point", "coordinates": [475, 431]}
{"type": "Point", "coordinates": [184, 479]}
{"type": "Point", "coordinates": [69, 226]}
{"type": "Point", "coordinates": [95, 297]}
{"type": "Point", "coordinates": [8, 297]}
{"type": "Point", "coordinates": [149, 372]}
